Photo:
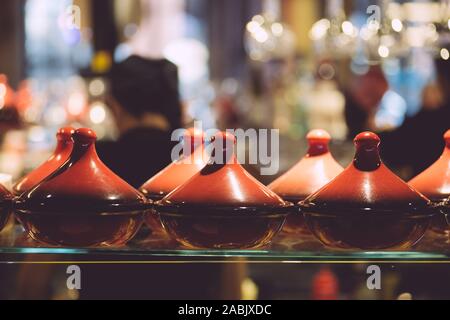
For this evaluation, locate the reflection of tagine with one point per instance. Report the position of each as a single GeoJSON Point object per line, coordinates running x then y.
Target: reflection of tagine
{"type": "Point", "coordinates": [367, 206]}
{"type": "Point", "coordinates": [311, 173]}
{"type": "Point", "coordinates": [62, 151]}
{"type": "Point", "coordinates": [82, 203]}
{"type": "Point", "coordinates": [434, 183]}
{"type": "Point", "coordinates": [222, 206]}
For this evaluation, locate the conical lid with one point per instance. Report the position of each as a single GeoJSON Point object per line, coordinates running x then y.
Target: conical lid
{"type": "Point", "coordinates": [366, 185]}
{"type": "Point", "coordinates": [60, 155]}
{"type": "Point", "coordinates": [434, 182]}
{"type": "Point", "coordinates": [192, 161]}
{"type": "Point", "coordinates": [223, 183]}
{"type": "Point", "coordinates": [311, 173]}
{"type": "Point", "coordinates": [82, 185]}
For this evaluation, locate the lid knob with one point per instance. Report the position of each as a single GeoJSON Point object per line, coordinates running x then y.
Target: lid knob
{"type": "Point", "coordinates": [84, 136]}
{"type": "Point", "coordinates": [447, 138]}
{"type": "Point", "coordinates": [318, 140]}
{"type": "Point", "coordinates": [223, 147]}
{"type": "Point", "coordinates": [65, 134]}
{"type": "Point", "coordinates": [367, 156]}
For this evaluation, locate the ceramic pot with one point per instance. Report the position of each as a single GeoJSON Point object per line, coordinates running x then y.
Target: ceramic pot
{"type": "Point", "coordinates": [367, 206]}
{"type": "Point", "coordinates": [192, 160]}
{"type": "Point", "coordinates": [222, 206]}
{"type": "Point", "coordinates": [312, 172]}
{"type": "Point", "coordinates": [82, 203]}
{"type": "Point", "coordinates": [60, 155]}
{"type": "Point", "coordinates": [434, 183]}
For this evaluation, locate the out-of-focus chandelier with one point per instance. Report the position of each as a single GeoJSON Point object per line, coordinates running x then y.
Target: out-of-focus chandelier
{"type": "Point", "coordinates": [266, 37]}
{"type": "Point", "coordinates": [334, 34]}
{"type": "Point", "coordinates": [390, 30]}
{"type": "Point", "coordinates": [443, 29]}
{"type": "Point", "coordinates": [381, 36]}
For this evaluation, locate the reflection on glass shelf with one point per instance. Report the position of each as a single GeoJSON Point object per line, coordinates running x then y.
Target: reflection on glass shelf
{"type": "Point", "coordinates": [14, 244]}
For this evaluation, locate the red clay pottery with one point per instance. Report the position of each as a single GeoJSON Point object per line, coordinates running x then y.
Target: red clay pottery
{"type": "Point", "coordinates": [367, 206]}
{"type": "Point", "coordinates": [222, 206]}
{"type": "Point", "coordinates": [60, 155]}
{"type": "Point", "coordinates": [82, 203]}
{"type": "Point", "coordinates": [434, 183]}
{"type": "Point", "coordinates": [312, 172]}
{"type": "Point", "coordinates": [178, 171]}
{"type": "Point", "coordinates": [6, 199]}
{"type": "Point", "coordinates": [192, 160]}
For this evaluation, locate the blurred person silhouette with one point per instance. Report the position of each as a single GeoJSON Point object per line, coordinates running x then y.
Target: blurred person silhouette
{"type": "Point", "coordinates": [146, 107]}
{"type": "Point", "coordinates": [418, 142]}
{"type": "Point", "coordinates": [362, 99]}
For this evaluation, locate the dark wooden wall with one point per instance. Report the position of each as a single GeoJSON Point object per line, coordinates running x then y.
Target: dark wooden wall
{"type": "Point", "coordinates": [12, 40]}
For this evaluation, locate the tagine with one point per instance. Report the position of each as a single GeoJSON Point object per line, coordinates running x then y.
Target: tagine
{"type": "Point", "coordinates": [434, 183]}
{"type": "Point", "coordinates": [191, 161]}
{"type": "Point", "coordinates": [60, 155]}
{"type": "Point", "coordinates": [367, 206]}
{"type": "Point", "coordinates": [82, 203]}
{"type": "Point", "coordinates": [312, 172]}
{"type": "Point", "coordinates": [222, 206]}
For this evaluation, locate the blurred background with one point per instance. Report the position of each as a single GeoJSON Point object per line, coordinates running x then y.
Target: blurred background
{"type": "Point", "coordinates": [341, 65]}
{"type": "Point", "coordinates": [344, 66]}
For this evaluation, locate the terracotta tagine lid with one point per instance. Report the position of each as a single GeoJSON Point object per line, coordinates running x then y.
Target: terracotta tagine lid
{"type": "Point", "coordinates": [224, 184]}
{"type": "Point", "coordinates": [434, 182]}
{"type": "Point", "coordinates": [193, 159]}
{"type": "Point", "coordinates": [367, 184]}
{"type": "Point", "coordinates": [60, 155]}
{"type": "Point", "coordinates": [312, 172]}
{"type": "Point", "coordinates": [82, 185]}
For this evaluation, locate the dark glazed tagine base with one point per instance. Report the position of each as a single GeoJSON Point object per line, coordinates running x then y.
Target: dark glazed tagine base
{"type": "Point", "coordinates": [83, 230]}
{"type": "Point", "coordinates": [368, 231]}
{"type": "Point", "coordinates": [151, 218]}
{"type": "Point", "coordinates": [439, 223]}
{"type": "Point", "coordinates": [295, 223]}
{"type": "Point", "coordinates": [212, 228]}
{"type": "Point", "coordinates": [6, 207]}
{"type": "Point", "coordinates": [5, 214]}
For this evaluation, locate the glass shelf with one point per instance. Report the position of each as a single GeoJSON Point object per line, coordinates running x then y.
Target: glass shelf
{"type": "Point", "coordinates": [15, 246]}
